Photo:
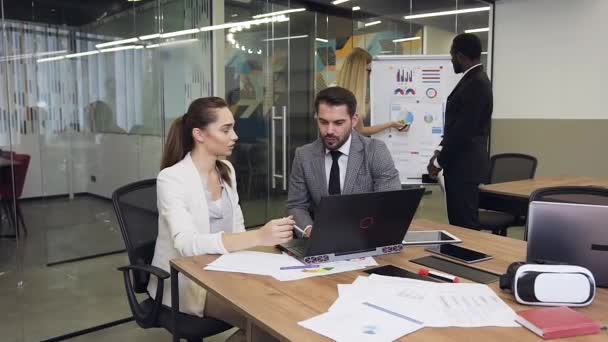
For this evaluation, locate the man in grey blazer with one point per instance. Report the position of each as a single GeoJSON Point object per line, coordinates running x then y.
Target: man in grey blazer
{"type": "Point", "coordinates": [340, 161]}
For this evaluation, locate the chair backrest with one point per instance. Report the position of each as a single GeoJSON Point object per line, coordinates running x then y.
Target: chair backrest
{"type": "Point", "coordinates": [13, 181]}
{"type": "Point", "coordinates": [570, 194]}
{"type": "Point", "coordinates": [509, 167]}
{"type": "Point", "coordinates": [137, 214]}
{"type": "Point", "coordinates": [21, 166]}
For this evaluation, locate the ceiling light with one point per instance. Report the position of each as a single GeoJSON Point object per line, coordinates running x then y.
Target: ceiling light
{"type": "Point", "coordinates": [284, 38]}
{"type": "Point", "coordinates": [373, 23]}
{"type": "Point", "coordinates": [119, 48]}
{"type": "Point", "coordinates": [150, 36]}
{"type": "Point", "coordinates": [80, 54]}
{"type": "Point", "coordinates": [42, 60]}
{"type": "Point", "coordinates": [356, 8]}
{"type": "Point", "coordinates": [235, 27]}
{"type": "Point", "coordinates": [179, 33]}
{"type": "Point", "coordinates": [437, 14]}
{"type": "Point", "coordinates": [294, 10]}
{"type": "Point", "coordinates": [116, 42]}
{"type": "Point", "coordinates": [405, 39]}
{"type": "Point", "coordinates": [322, 40]}
{"type": "Point", "coordinates": [483, 29]}
{"type": "Point", "coordinates": [171, 43]}
{"type": "Point", "coordinates": [337, 2]}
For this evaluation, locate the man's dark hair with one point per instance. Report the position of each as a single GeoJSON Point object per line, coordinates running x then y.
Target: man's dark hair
{"type": "Point", "coordinates": [337, 96]}
{"type": "Point", "coordinates": [468, 44]}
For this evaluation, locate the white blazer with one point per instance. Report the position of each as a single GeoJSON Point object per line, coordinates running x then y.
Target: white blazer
{"type": "Point", "coordinates": [184, 230]}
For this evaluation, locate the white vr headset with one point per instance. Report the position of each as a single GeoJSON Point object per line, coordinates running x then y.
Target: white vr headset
{"type": "Point", "coordinates": [549, 285]}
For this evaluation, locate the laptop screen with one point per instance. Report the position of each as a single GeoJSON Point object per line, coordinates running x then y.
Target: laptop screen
{"type": "Point", "coordinates": [361, 222]}
{"type": "Point", "coordinates": [574, 234]}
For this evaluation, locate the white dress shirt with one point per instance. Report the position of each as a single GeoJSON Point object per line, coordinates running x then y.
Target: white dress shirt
{"type": "Point", "coordinates": [342, 162]}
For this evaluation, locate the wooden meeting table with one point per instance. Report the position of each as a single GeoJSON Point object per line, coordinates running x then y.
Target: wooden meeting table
{"type": "Point", "coordinates": [512, 197]}
{"type": "Point", "coordinates": [274, 307]}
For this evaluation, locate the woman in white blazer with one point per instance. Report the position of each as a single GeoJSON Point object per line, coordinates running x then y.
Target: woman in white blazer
{"type": "Point", "coordinates": [198, 204]}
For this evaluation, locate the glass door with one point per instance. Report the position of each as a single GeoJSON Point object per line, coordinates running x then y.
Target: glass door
{"type": "Point", "coordinates": [292, 125]}
{"type": "Point", "coordinates": [246, 65]}
{"type": "Point", "coordinates": [279, 86]}
{"type": "Point", "coordinates": [268, 77]}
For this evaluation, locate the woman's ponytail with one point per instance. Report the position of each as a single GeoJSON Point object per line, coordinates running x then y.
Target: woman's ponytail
{"type": "Point", "coordinates": [174, 147]}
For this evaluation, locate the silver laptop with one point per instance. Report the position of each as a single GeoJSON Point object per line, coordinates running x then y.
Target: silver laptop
{"type": "Point", "coordinates": [575, 234]}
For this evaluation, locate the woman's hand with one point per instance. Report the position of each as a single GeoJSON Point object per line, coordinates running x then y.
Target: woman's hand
{"type": "Point", "coordinates": [276, 232]}
{"type": "Point", "coordinates": [401, 125]}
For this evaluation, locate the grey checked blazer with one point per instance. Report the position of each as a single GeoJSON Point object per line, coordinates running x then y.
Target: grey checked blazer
{"type": "Point", "coordinates": [370, 169]}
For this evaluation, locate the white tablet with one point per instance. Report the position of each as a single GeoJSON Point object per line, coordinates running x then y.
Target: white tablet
{"type": "Point", "coordinates": [429, 237]}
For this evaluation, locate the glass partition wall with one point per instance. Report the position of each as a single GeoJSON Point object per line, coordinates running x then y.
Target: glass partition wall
{"type": "Point", "coordinates": [89, 91]}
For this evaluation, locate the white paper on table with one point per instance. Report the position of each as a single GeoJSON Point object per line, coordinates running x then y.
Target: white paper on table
{"type": "Point", "coordinates": [450, 305]}
{"type": "Point", "coordinates": [361, 322]}
{"type": "Point", "coordinates": [435, 304]}
{"type": "Point", "coordinates": [252, 262]}
{"type": "Point", "coordinates": [367, 288]}
{"type": "Point", "coordinates": [324, 269]}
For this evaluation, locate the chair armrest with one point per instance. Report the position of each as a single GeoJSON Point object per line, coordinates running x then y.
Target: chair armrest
{"type": "Point", "coordinates": [145, 318]}
{"type": "Point", "coordinates": [160, 273]}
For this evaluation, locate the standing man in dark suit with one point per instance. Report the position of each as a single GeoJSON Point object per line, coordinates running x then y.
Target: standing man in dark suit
{"type": "Point", "coordinates": [463, 152]}
{"type": "Point", "coordinates": [340, 161]}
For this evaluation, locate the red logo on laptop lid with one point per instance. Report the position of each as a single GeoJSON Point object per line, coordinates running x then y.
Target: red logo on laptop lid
{"type": "Point", "coordinates": [366, 222]}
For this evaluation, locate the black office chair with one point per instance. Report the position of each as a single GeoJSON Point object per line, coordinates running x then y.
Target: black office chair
{"type": "Point", "coordinates": [570, 194]}
{"type": "Point", "coordinates": [137, 214]}
{"type": "Point", "coordinates": [506, 167]}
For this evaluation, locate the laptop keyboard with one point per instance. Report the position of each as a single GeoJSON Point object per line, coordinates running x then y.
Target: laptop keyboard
{"type": "Point", "coordinates": [300, 250]}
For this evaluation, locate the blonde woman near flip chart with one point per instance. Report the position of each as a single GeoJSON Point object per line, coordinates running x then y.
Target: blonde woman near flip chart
{"type": "Point", "coordinates": [354, 76]}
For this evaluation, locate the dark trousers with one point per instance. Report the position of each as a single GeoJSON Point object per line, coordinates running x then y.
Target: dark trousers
{"type": "Point", "coordinates": [462, 200]}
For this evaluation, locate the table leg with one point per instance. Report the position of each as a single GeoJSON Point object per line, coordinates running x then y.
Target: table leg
{"type": "Point", "coordinates": [174, 301]}
{"type": "Point", "coordinates": [257, 334]}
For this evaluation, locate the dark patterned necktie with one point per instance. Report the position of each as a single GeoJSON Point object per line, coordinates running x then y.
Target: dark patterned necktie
{"type": "Point", "coordinates": [334, 174]}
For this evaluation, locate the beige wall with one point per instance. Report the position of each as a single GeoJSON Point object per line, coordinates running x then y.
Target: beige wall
{"type": "Point", "coordinates": [562, 147]}
{"type": "Point", "coordinates": [549, 83]}
{"type": "Point", "coordinates": [437, 41]}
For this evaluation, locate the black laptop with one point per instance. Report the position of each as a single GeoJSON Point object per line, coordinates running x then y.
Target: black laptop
{"type": "Point", "coordinates": [357, 225]}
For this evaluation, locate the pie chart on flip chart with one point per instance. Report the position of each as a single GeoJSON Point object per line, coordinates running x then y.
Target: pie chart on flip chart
{"type": "Point", "coordinates": [428, 118]}
{"type": "Point", "coordinates": [400, 112]}
{"type": "Point", "coordinates": [409, 118]}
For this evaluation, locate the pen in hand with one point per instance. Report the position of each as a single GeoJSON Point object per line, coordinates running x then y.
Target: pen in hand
{"type": "Point", "coordinates": [404, 127]}
{"type": "Point", "coordinates": [300, 230]}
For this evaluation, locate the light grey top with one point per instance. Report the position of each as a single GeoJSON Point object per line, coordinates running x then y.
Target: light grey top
{"type": "Point", "coordinates": [220, 210]}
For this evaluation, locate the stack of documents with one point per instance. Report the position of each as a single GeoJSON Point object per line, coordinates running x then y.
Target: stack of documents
{"type": "Point", "coordinates": [411, 304]}
{"type": "Point", "coordinates": [282, 266]}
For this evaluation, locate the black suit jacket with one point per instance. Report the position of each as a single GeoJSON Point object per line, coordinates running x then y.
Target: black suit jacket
{"type": "Point", "coordinates": [468, 115]}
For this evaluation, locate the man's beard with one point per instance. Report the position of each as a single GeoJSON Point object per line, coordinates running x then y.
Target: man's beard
{"type": "Point", "coordinates": [457, 68]}
{"type": "Point", "coordinates": [338, 143]}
